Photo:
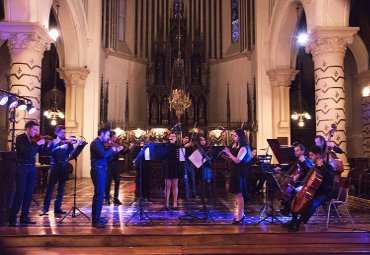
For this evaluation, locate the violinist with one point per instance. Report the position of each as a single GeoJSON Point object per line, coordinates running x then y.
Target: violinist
{"type": "Point", "coordinates": [189, 148]}
{"type": "Point", "coordinates": [99, 161]}
{"type": "Point", "coordinates": [59, 150]}
{"type": "Point", "coordinates": [294, 176]}
{"type": "Point", "coordinates": [26, 173]}
{"type": "Point", "coordinates": [322, 195]}
{"type": "Point", "coordinates": [240, 154]}
{"type": "Point", "coordinates": [114, 172]}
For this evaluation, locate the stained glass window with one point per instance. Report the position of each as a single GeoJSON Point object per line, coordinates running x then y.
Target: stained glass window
{"type": "Point", "coordinates": [234, 21]}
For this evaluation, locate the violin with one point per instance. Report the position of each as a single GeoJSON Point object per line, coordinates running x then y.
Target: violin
{"type": "Point", "coordinates": [69, 141]}
{"type": "Point", "coordinates": [37, 138]}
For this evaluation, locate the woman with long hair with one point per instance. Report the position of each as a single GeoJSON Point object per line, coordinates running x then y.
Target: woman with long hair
{"type": "Point", "coordinates": [240, 155]}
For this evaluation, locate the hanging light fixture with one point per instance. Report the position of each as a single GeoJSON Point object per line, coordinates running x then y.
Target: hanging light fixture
{"type": "Point", "coordinates": [366, 91]}
{"type": "Point", "coordinates": [54, 113]}
{"type": "Point", "coordinates": [178, 99]}
{"type": "Point", "coordinates": [301, 115]}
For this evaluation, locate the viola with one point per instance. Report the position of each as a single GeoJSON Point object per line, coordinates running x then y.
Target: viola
{"type": "Point", "coordinates": [37, 138]}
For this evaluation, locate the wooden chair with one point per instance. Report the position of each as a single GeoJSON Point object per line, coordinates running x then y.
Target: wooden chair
{"type": "Point", "coordinates": [340, 200]}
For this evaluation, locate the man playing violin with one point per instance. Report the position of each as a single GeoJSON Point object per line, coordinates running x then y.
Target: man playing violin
{"type": "Point", "coordinates": [26, 173]}
{"type": "Point", "coordinates": [99, 161]}
{"type": "Point", "coordinates": [59, 149]}
{"type": "Point", "coordinates": [322, 195]}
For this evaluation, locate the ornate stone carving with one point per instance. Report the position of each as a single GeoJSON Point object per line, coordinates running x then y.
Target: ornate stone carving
{"type": "Point", "coordinates": [74, 76]}
{"type": "Point", "coordinates": [26, 41]}
{"type": "Point", "coordinates": [330, 40]}
{"type": "Point", "coordinates": [282, 77]}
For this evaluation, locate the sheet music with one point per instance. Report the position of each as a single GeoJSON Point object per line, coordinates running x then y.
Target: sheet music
{"type": "Point", "coordinates": [182, 154]}
{"type": "Point", "coordinates": [197, 159]}
{"type": "Point", "coordinates": [147, 154]}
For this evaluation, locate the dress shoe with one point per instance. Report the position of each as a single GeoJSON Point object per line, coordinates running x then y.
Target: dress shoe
{"type": "Point", "coordinates": [103, 220]}
{"type": "Point", "coordinates": [117, 202]}
{"type": "Point", "coordinates": [27, 221]}
{"type": "Point", "coordinates": [12, 223]}
{"type": "Point", "coordinates": [59, 211]}
{"type": "Point", "coordinates": [237, 222]}
{"type": "Point", "coordinates": [98, 225]}
{"type": "Point", "coordinates": [43, 213]}
{"type": "Point", "coordinates": [294, 227]}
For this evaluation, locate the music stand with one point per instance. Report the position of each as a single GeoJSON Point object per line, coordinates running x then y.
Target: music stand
{"type": "Point", "coordinates": [140, 210]}
{"type": "Point", "coordinates": [187, 215]}
{"type": "Point", "coordinates": [76, 152]}
{"type": "Point", "coordinates": [271, 185]}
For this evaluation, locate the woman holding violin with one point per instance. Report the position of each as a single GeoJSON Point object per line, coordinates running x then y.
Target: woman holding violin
{"type": "Point", "coordinates": [240, 155]}
{"type": "Point", "coordinates": [59, 149]}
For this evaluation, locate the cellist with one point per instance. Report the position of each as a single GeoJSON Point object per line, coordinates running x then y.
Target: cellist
{"type": "Point", "coordinates": [322, 195]}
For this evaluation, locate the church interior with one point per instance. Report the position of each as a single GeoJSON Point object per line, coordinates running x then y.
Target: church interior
{"type": "Point", "coordinates": [285, 72]}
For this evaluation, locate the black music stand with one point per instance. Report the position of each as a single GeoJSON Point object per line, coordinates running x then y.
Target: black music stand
{"type": "Point", "coordinates": [74, 208]}
{"type": "Point", "coordinates": [206, 211]}
{"type": "Point", "coordinates": [187, 214]}
{"type": "Point", "coordinates": [271, 185]}
{"type": "Point", "coordinates": [140, 210]}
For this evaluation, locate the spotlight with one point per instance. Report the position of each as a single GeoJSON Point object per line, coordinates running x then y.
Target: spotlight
{"type": "Point", "coordinates": [302, 39]}
{"type": "Point", "coordinates": [21, 105]}
{"type": "Point", "coordinates": [30, 108]}
{"type": "Point", "coordinates": [3, 99]}
{"type": "Point", "coordinates": [12, 102]}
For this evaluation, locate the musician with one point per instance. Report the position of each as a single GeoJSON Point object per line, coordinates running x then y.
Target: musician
{"type": "Point", "coordinates": [324, 146]}
{"type": "Point", "coordinates": [206, 169]}
{"type": "Point", "coordinates": [296, 173]}
{"type": "Point", "coordinates": [337, 165]}
{"type": "Point", "coordinates": [145, 172]}
{"type": "Point", "coordinates": [186, 143]}
{"type": "Point", "coordinates": [240, 154]}
{"type": "Point", "coordinates": [26, 172]}
{"type": "Point", "coordinates": [322, 195]}
{"type": "Point", "coordinates": [172, 172]}
{"type": "Point", "coordinates": [114, 172]}
{"type": "Point", "coordinates": [99, 162]}
{"type": "Point", "coordinates": [58, 172]}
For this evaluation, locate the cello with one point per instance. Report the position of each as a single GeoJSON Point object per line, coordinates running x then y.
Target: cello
{"type": "Point", "coordinates": [306, 194]}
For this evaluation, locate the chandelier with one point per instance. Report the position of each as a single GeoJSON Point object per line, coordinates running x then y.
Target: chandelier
{"type": "Point", "coordinates": [179, 100]}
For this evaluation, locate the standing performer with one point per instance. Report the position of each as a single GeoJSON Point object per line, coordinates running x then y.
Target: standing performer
{"type": "Point", "coordinates": [189, 148]}
{"type": "Point", "coordinates": [58, 172]}
{"type": "Point", "coordinates": [99, 161]}
{"type": "Point", "coordinates": [142, 167]}
{"type": "Point", "coordinates": [206, 170]}
{"type": "Point", "coordinates": [114, 172]}
{"type": "Point", "coordinates": [172, 172]}
{"type": "Point", "coordinates": [323, 193]}
{"type": "Point", "coordinates": [26, 172]}
{"type": "Point", "coordinates": [326, 146]}
{"type": "Point", "coordinates": [240, 154]}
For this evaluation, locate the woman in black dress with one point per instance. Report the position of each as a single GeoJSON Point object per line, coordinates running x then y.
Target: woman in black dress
{"type": "Point", "coordinates": [172, 169]}
{"type": "Point", "coordinates": [240, 155]}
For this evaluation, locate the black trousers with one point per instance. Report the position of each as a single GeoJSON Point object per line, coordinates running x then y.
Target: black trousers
{"type": "Point", "coordinates": [57, 173]}
{"type": "Point", "coordinates": [113, 174]}
{"type": "Point", "coordinates": [99, 179]}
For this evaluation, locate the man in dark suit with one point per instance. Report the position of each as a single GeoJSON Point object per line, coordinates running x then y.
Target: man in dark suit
{"type": "Point", "coordinates": [99, 161]}
{"type": "Point", "coordinates": [26, 172]}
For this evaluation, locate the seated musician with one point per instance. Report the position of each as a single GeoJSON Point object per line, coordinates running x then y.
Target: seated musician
{"type": "Point", "coordinates": [294, 177]}
{"type": "Point", "coordinates": [323, 193]}
{"type": "Point", "coordinates": [324, 146]}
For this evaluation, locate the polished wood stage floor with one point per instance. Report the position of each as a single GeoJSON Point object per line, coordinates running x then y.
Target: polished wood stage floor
{"type": "Point", "coordinates": [178, 232]}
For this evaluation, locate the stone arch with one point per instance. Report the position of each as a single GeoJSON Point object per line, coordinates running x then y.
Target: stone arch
{"type": "Point", "coordinates": [360, 53]}
{"type": "Point", "coordinates": [72, 47]}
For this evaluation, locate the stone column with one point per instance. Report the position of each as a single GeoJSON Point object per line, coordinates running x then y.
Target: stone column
{"type": "Point", "coordinates": [27, 43]}
{"type": "Point", "coordinates": [74, 80]}
{"type": "Point", "coordinates": [281, 79]}
{"type": "Point", "coordinates": [363, 81]}
{"type": "Point", "coordinates": [328, 46]}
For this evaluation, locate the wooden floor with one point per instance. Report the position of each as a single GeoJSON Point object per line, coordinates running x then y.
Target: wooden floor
{"type": "Point", "coordinates": [167, 233]}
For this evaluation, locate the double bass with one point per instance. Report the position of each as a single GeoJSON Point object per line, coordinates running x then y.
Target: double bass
{"type": "Point", "coordinates": [306, 194]}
